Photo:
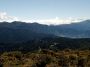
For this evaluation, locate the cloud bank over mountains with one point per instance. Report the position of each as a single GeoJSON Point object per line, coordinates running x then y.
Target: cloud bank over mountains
{"type": "Point", "coordinates": [57, 21]}
{"type": "Point", "coordinates": [5, 17]}
{"type": "Point", "coordinates": [53, 21]}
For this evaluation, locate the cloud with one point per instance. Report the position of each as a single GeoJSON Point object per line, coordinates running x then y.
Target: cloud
{"type": "Point", "coordinates": [57, 20]}
{"type": "Point", "coordinates": [5, 17]}
{"type": "Point", "coordinates": [53, 21]}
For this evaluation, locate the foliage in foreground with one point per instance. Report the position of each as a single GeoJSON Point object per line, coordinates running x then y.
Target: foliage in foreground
{"type": "Point", "coordinates": [46, 58]}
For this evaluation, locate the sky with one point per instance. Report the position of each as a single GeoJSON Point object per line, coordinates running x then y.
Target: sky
{"type": "Point", "coordinates": [45, 11]}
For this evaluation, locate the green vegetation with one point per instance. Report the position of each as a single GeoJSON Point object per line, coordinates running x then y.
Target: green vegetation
{"type": "Point", "coordinates": [58, 43]}
{"type": "Point", "coordinates": [46, 52]}
{"type": "Point", "coordinates": [46, 58]}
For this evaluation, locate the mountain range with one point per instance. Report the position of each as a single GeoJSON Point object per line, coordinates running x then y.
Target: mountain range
{"type": "Point", "coordinates": [18, 31]}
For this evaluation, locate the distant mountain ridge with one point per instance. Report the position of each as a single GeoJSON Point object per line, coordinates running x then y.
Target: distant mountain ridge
{"type": "Point", "coordinates": [21, 31]}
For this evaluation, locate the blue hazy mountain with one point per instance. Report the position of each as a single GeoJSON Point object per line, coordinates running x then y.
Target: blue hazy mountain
{"type": "Point", "coordinates": [21, 31]}
{"type": "Point", "coordinates": [76, 30]}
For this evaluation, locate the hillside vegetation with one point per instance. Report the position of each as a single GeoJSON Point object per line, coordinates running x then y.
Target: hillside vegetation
{"type": "Point", "coordinates": [46, 58]}
{"type": "Point", "coordinates": [47, 43]}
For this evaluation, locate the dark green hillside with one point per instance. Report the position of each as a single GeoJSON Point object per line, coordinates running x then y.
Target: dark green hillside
{"type": "Point", "coordinates": [47, 43]}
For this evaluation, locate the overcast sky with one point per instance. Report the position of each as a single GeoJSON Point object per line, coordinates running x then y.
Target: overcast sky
{"type": "Point", "coordinates": [45, 11]}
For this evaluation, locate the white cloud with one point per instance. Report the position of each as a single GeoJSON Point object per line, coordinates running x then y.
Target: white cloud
{"type": "Point", "coordinates": [54, 21]}
{"type": "Point", "coordinates": [57, 20]}
{"type": "Point", "coordinates": [5, 17]}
